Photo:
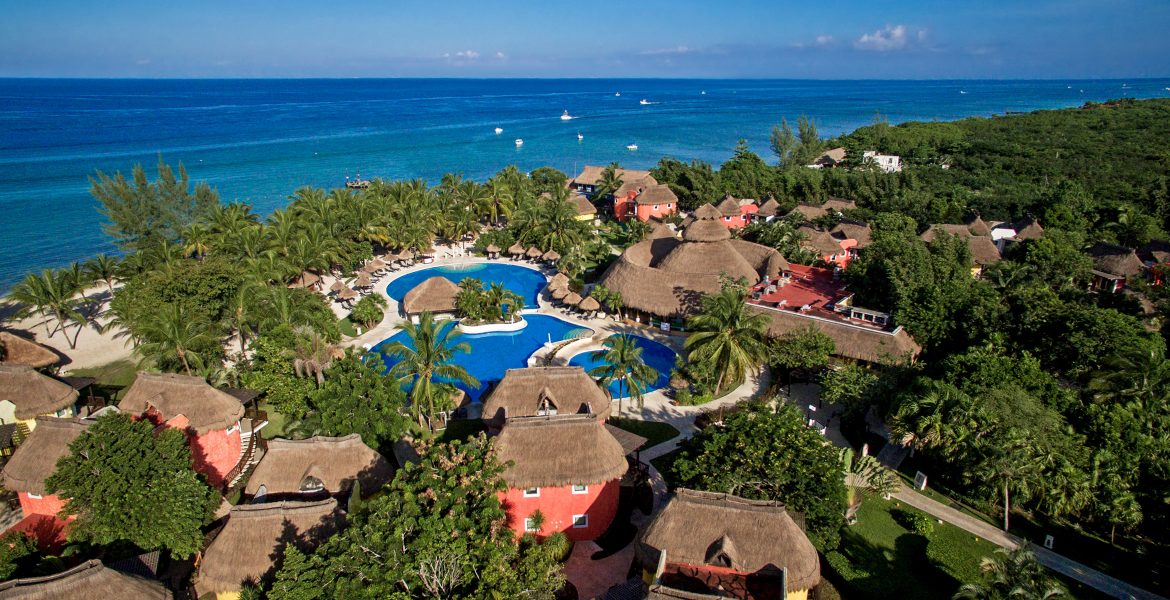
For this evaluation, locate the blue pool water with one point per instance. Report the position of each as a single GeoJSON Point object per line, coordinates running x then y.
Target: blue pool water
{"type": "Point", "coordinates": [654, 354]}
{"type": "Point", "coordinates": [493, 353]}
{"type": "Point", "coordinates": [523, 281]}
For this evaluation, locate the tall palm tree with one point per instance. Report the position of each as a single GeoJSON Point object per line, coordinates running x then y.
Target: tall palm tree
{"type": "Point", "coordinates": [196, 240]}
{"type": "Point", "coordinates": [1012, 575]}
{"type": "Point", "coordinates": [426, 359]}
{"type": "Point", "coordinates": [504, 302]}
{"type": "Point", "coordinates": [1138, 383]}
{"type": "Point", "coordinates": [726, 337]}
{"type": "Point", "coordinates": [931, 419]}
{"type": "Point", "coordinates": [1012, 466]}
{"type": "Point", "coordinates": [104, 268]}
{"type": "Point", "coordinates": [51, 295]}
{"type": "Point", "coordinates": [173, 335]}
{"type": "Point", "coordinates": [623, 363]}
{"type": "Point", "coordinates": [609, 182]}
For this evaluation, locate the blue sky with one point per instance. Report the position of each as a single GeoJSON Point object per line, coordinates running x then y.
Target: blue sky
{"type": "Point", "coordinates": [657, 38]}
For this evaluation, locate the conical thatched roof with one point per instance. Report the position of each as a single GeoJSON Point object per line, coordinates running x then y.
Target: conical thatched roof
{"type": "Point", "coordinates": [305, 279]}
{"type": "Point", "coordinates": [559, 279]}
{"type": "Point", "coordinates": [406, 254]}
{"type": "Point", "coordinates": [533, 252]}
{"type": "Point", "coordinates": [16, 350]}
{"type": "Point", "coordinates": [347, 293]}
{"type": "Point", "coordinates": [706, 230]}
{"type": "Point", "coordinates": [436, 294]}
{"type": "Point", "coordinates": [819, 241]}
{"type": "Point", "coordinates": [983, 250]}
{"type": "Point", "coordinates": [522, 392]}
{"type": "Point", "coordinates": [708, 212]}
{"type": "Point", "coordinates": [1115, 260]}
{"type": "Point", "coordinates": [205, 407]}
{"type": "Point", "coordinates": [753, 536]}
{"type": "Point", "coordinates": [976, 225]}
{"type": "Point", "coordinates": [363, 280]}
{"type": "Point", "coordinates": [1028, 228]}
{"type": "Point", "coordinates": [492, 249]}
{"type": "Point", "coordinates": [715, 257]}
{"type": "Point", "coordinates": [582, 204]}
{"type": "Point", "coordinates": [589, 304]}
{"type": "Point", "coordinates": [376, 264]}
{"type": "Point", "coordinates": [572, 299]}
{"type": "Point", "coordinates": [550, 256]}
{"type": "Point", "coordinates": [769, 208]}
{"type": "Point", "coordinates": [36, 459]}
{"type": "Point", "coordinates": [516, 249]}
{"type": "Point", "coordinates": [334, 461]}
{"type": "Point", "coordinates": [256, 535]}
{"type": "Point", "coordinates": [559, 292]}
{"type": "Point", "coordinates": [558, 451]}
{"type": "Point", "coordinates": [33, 392]}
{"type": "Point", "coordinates": [337, 286]}
{"type": "Point", "coordinates": [729, 206]}
{"type": "Point", "coordinates": [854, 230]}
{"type": "Point", "coordinates": [90, 580]}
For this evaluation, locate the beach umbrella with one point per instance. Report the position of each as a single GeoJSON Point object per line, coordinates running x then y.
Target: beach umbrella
{"type": "Point", "coordinates": [337, 286]}
{"type": "Point", "coordinates": [493, 249]}
{"type": "Point", "coordinates": [376, 264]}
{"type": "Point", "coordinates": [589, 304]}
{"type": "Point", "coordinates": [556, 285]}
{"type": "Point", "coordinates": [550, 256]}
{"type": "Point", "coordinates": [406, 255]}
{"type": "Point", "coordinates": [559, 293]}
{"type": "Point", "coordinates": [573, 299]}
{"type": "Point", "coordinates": [516, 249]}
{"type": "Point", "coordinates": [363, 280]}
{"type": "Point", "coordinates": [559, 279]}
{"type": "Point", "coordinates": [533, 252]}
{"type": "Point", "coordinates": [347, 294]}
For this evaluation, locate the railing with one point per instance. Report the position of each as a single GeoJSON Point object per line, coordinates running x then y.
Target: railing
{"type": "Point", "coordinates": [256, 415]}
{"type": "Point", "coordinates": [254, 441]}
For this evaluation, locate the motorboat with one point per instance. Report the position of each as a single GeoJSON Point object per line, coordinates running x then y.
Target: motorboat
{"type": "Point", "coordinates": [579, 136]}
{"type": "Point", "coordinates": [565, 116]}
{"type": "Point", "coordinates": [631, 147]}
{"type": "Point", "coordinates": [644, 102]}
{"type": "Point", "coordinates": [617, 93]}
{"type": "Point", "coordinates": [519, 142]}
{"type": "Point", "coordinates": [499, 130]}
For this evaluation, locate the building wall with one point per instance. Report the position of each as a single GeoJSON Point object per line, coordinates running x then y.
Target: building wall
{"type": "Point", "coordinates": [49, 504]}
{"type": "Point", "coordinates": [8, 415]}
{"type": "Point", "coordinates": [733, 583]}
{"type": "Point", "coordinates": [215, 453]}
{"type": "Point", "coordinates": [644, 212]}
{"type": "Point", "coordinates": [559, 504]}
{"type": "Point", "coordinates": [736, 222]}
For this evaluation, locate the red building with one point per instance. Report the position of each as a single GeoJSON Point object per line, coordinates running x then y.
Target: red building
{"type": "Point", "coordinates": [564, 474]}
{"type": "Point", "coordinates": [544, 391]}
{"type": "Point", "coordinates": [644, 202]}
{"type": "Point", "coordinates": [1113, 267]}
{"type": "Point", "coordinates": [31, 464]}
{"type": "Point", "coordinates": [736, 213]}
{"type": "Point", "coordinates": [210, 416]}
{"type": "Point", "coordinates": [831, 250]}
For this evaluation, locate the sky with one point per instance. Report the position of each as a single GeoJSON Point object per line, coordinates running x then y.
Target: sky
{"type": "Point", "coordinates": [842, 39]}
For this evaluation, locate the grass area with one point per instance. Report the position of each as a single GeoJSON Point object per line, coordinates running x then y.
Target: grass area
{"type": "Point", "coordinates": [117, 373]}
{"type": "Point", "coordinates": [654, 432]}
{"type": "Point", "coordinates": [348, 329]}
{"type": "Point", "coordinates": [461, 429]}
{"type": "Point", "coordinates": [276, 422]}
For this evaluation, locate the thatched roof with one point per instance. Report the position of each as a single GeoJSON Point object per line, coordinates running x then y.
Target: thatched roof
{"type": "Point", "coordinates": [668, 277]}
{"type": "Point", "coordinates": [857, 342]}
{"type": "Point", "coordinates": [582, 204]}
{"type": "Point", "coordinates": [376, 263]}
{"type": "Point", "coordinates": [808, 212]}
{"type": "Point", "coordinates": [334, 461]}
{"type": "Point", "coordinates": [205, 407]}
{"type": "Point", "coordinates": [559, 292]}
{"type": "Point", "coordinates": [753, 536]}
{"type": "Point", "coordinates": [1157, 251]}
{"type": "Point", "coordinates": [516, 249]}
{"type": "Point", "coordinates": [305, 279]}
{"type": "Point", "coordinates": [854, 230]}
{"type": "Point", "coordinates": [347, 293]}
{"type": "Point", "coordinates": [769, 208]}
{"type": "Point", "coordinates": [1028, 228]}
{"type": "Point", "coordinates": [17, 350]}
{"type": "Point", "coordinates": [629, 441]}
{"type": "Point", "coordinates": [589, 304]}
{"type": "Point", "coordinates": [658, 193]}
{"type": "Point", "coordinates": [337, 286]}
{"type": "Point", "coordinates": [572, 299]}
{"type": "Point", "coordinates": [1115, 260]}
{"type": "Point", "coordinates": [522, 392]}
{"type": "Point", "coordinates": [729, 206]}
{"type": "Point", "coordinates": [933, 231]}
{"type": "Point", "coordinates": [33, 392]}
{"type": "Point", "coordinates": [821, 242]}
{"type": "Point", "coordinates": [983, 250]}
{"type": "Point", "coordinates": [91, 580]}
{"type": "Point", "coordinates": [830, 158]}
{"type": "Point", "coordinates": [363, 280]}
{"type": "Point", "coordinates": [662, 592]}
{"type": "Point", "coordinates": [659, 230]}
{"type": "Point", "coordinates": [558, 451]}
{"type": "Point", "coordinates": [591, 175]}
{"type": "Point", "coordinates": [36, 459]}
{"type": "Point", "coordinates": [257, 534]}
{"type": "Point", "coordinates": [839, 204]}
{"type": "Point", "coordinates": [436, 294]}
{"type": "Point", "coordinates": [706, 230]}
{"type": "Point", "coordinates": [533, 252]}
{"type": "Point", "coordinates": [708, 212]}
{"type": "Point", "coordinates": [492, 249]}
{"type": "Point", "coordinates": [550, 256]}
{"type": "Point", "coordinates": [559, 279]}
{"type": "Point", "coordinates": [976, 225]}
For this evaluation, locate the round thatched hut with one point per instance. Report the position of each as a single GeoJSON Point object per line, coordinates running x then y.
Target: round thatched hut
{"type": "Point", "coordinates": [434, 295]}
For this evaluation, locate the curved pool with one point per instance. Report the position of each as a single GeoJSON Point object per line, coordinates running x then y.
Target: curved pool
{"type": "Point", "coordinates": [657, 355]}
{"type": "Point", "coordinates": [524, 281]}
{"type": "Point", "coordinates": [493, 353]}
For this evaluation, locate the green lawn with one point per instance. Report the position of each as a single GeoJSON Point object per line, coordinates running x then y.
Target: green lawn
{"type": "Point", "coordinates": [276, 422]}
{"type": "Point", "coordinates": [119, 372]}
{"type": "Point", "coordinates": [654, 432]}
{"type": "Point", "coordinates": [347, 327]}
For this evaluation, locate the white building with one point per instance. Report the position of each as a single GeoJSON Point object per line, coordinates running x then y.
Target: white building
{"type": "Point", "coordinates": [886, 162]}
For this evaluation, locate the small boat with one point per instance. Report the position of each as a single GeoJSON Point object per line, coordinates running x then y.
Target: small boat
{"type": "Point", "coordinates": [565, 116]}
{"type": "Point", "coordinates": [962, 91]}
{"type": "Point", "coordinates": [703, 93]}
{"type": "Point", "coordinates": [617, 94]}
{"type": "Point", "coordinates": [357, 183]}
{"type": "Point", "coordinates": [644, 102]}
{"type": "Point", "coordinates": [519, 142]}
{"type": "Point", "coordinates": [499, 130]}
{"type": "Point", "coordinates": [632, 147]}
{"type": "Point", "coordinates": [579, 136]}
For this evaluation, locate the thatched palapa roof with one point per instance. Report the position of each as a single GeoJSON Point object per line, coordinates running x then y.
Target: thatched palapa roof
{"type": "Point", "coordinates": [751, 536]}
{"type": "Point", "coordinates": [334, 461]}
{"type": "Point", "coordinates": [559, 292]}
{"type": "Point", "coordinates": [558, 451]}
{"type": "Point", "coordinates": [572, 299]}
{"type": "Point", "coordinates": [91, 580]}
{"type": "Point", "coordinates": [769, 208]}
{"type": "Point", "coordinates": [36, 459]}
{"type": "Point", "coordinates": [983, 250]}
{"type": "Point", "coordinates": [436, 294]}
{"type": "Point", "coordinates": [659, 193]}
{"type": "Point", "coordinates": [516, 249]}
{"type": "Point", "coordinates": [857, 342]}
{"type": "Point", "coordinates": [591, 175]}
{"type": "Point", "coordinates": [363, 280]}
{"type": "Point", "coordinates": [305, 279]}
{"type": "Point", "coordinates": [821, 242]}
{"type": "Point", "coordinates": [205, 407]}
{"type": "Point", "coordinates": [492, 249]}
{"type": "Point", "coordinates": [589, 304]}
{"type": "Point", "coordinates": [559, 279]}
{"type": "Point", "coordinates": [854, 230]}
{"type": "Point", "coordinates": [729, 206]}
{"type": "Point", "coordinates": [347, 293]}
{"type": "Point", "coordinates": [522, 393]}
{"type": "Point", "coordinates": [707, 211]}
{"type": "Point", "coordinates": [1028, 228]}
{"type": "Point", "coordinates": [337, 286]}
{"type": "Point", "coordinates": [257, 534]}
{"type": "Point", "coordinates": [17, 350]}
{"type": "Point", "coordinates": [550, 256]}
{"type": "Point", "coordinates": [582, 204]}
{"type": "Point", "coordinates": [1114, 260]}
{"type": "Point", "coordinates": [533, 252]}
{"type": "Point", "coordinates": [32, 392]}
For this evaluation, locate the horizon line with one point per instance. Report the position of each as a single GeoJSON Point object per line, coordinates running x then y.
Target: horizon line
{"type": "Point", "coordinates": [540, 78]}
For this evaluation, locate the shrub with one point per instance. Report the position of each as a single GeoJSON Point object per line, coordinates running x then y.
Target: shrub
{"type": "Point", "coordinates": [917, 522]}
{"type": "Point", "coordinates": [369, 310]}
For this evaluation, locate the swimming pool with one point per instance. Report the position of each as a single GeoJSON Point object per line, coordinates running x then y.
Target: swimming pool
{"type": "Point", "coordinates": [493, 353]}
{"type": "Point", "coordinates": [657, 355]}
{"type": "Point", "coordinates": [526, 282]}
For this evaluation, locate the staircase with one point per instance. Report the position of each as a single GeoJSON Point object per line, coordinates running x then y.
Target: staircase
{"type": "Point", "coordinates": [252, 448]}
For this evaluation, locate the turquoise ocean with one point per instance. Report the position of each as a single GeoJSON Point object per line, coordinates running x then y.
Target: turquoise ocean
{"type": "Point", "coordinates": [258, 140]}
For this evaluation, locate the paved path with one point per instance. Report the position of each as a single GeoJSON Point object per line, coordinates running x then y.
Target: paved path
{"type": "Point", "coordinates": [593, 577]}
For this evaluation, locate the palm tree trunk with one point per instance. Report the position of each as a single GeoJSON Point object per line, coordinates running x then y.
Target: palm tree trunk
{"type": "Point", "coordinates": [621, 395]}
{"type": "Point", "coordinates": [183, 357]}
{"type": "Point", "coordinates": [1007, 507]}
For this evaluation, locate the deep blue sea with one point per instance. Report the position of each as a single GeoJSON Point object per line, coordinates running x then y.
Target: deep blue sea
{"type": "Point", "coordinates": [258, 140]}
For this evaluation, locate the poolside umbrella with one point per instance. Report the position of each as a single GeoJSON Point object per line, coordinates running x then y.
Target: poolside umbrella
{"type": "Point", "coordinates": [589, 304]}
{"type": "Point", "coordinates": [556, 285]}
{"type": "Point", "coordinates": [337, 286]}
{"type": "Point", "coordinates": [559, 293]}
{"type": "Point", "coordinates": [533, 252]}
{"type": "Point", "coordinates": [376, 264]}
{"type": "Point", "coordinates": [363, 280]}
{"type": "Point", "coordinates": [406, 255]}
{"type": "Point", "coordinates": [551, 256]}
{"type": "Point", "coordinates": [560, 279]}
{"type": "Point", "coordinates": [347, 294]}
{"type": "Point", "coordinates": [493, 249]}
{"type": "Point", "coordinates": [573, 299]}
{"type": "Point", "coordinates": [516, 249]}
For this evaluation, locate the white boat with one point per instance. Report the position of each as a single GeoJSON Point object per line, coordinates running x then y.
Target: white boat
{"type": "Point", "coordinates": [644, 101]}
{"type": "Point", "coordinates": [617, 94]}
{"type": "Point", "coordinates": [519, 142]}
{"type": "Point", "coordinates": [703, 93]}
{"type": "Point", "coordinates": [962, 91]}
{"type": "Point", "coordinates": [632, 147]}
{"type": "Point", "coordinates": [565, 116]}
{"type": "Point", "coordinates": [579, 136]}
{"type": "Point", "coordinates": [499, 130]}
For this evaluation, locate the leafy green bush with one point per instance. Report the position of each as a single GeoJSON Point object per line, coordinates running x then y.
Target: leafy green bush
{"type": "Point", "coordinates": [845, 569]}
{"type": "Point", "coordinates": [915, 521]}
{"type": "Point", "coordinates": [369, 310]}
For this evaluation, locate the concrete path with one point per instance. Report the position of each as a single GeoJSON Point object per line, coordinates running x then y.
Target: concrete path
{"type": "Point", "coordinates": [593, 577]}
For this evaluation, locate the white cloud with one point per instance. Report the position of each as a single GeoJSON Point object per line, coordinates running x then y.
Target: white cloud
{"type": "Point", "coordinates": [824, 40]}
{"type": "Point", "coordinates": [667, 51]}
{"type": "Point", "coordinates": [500, 56]}
{"type": "Point", "coordinates": [890, 37]}
{"type": "Point", "coordinates": [467, 54]}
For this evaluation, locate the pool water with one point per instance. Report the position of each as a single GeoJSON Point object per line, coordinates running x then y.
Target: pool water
{"type": "Point", "coordinates": [493, 353]}
{"type": "Point", "coordinates": [526, 282]}
{"type": "Point", "coordinates": [657, 355]}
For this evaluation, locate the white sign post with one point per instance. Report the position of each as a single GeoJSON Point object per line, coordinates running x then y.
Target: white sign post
{"type": "Point", "coordinates": [920, 480]}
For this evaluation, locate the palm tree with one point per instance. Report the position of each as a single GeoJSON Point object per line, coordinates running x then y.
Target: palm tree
{"type": "Point", "coordinates": [609, 182]}
{"type": "Point", "coordinates": [313, 355]}
{"type": "Point", "coordinates": [1138, 383]}
{"type": "Point", "coordinates": [427, 357]}
{"type": "Point", "coordinates": [103, 267]}
{"type": "Point", "coordinates": [727, 338]}
{"type": "Point", "coordinates": [51, 295]}
{"type": "Point", "coordinates": [1012, 575]}
{"type": "Point", "coordinates": [623, 363]}
{"type": "Point", "coordinates": [1011, 465]}
{"type": "Point", "coordinates": [928, 419]}
{"type": "Point", "coordinates": [171, 334]}
{"type": "Point", "coordinates": [196, 240]}
{"type": "Point", "coordinates": [504, 302]}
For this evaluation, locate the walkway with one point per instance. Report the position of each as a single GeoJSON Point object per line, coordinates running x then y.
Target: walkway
{"type": "Point", "coordinates": [593, 577]}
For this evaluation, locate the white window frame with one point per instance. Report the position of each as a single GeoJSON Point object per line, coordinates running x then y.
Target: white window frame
{"type": "Point", "coordinates": [670, 205]}
{"type": "Point", "coordinates": [233, 428]}
{"type": "Point", "coordinates": [32, 496]}
{"type": "Point", "coordinates": [531, 492]}
{"type": "Point", "coordinates": [584, 489]}
{"type": "Point", "coordinates": [655, 207]}
{"type": "Point", "coordinates": [529, 526]}
{"type": "Point", "coordinates": [582, 525]}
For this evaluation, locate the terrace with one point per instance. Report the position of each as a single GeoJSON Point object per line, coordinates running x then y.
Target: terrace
{"type": "Point", "coordinates": [815, 292]}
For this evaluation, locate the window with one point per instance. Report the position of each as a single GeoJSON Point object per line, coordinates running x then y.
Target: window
{"type": "Point", "coordinates": [580, 521]}
{"type": "Point", "coordinates": [671, 205]}
{"type": "Point", "coordinates": [655, 207]}
{"type": "Point", "coordinates": [580, 489]}
{"type": "Point", "coordinates": [530, 525]}
{"type": "Point", "coordinates": [32, 496]}
{"type": "Point", "coordinates": [532, 492]}
{"type": "Point", "coordinates": [728, 219]}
